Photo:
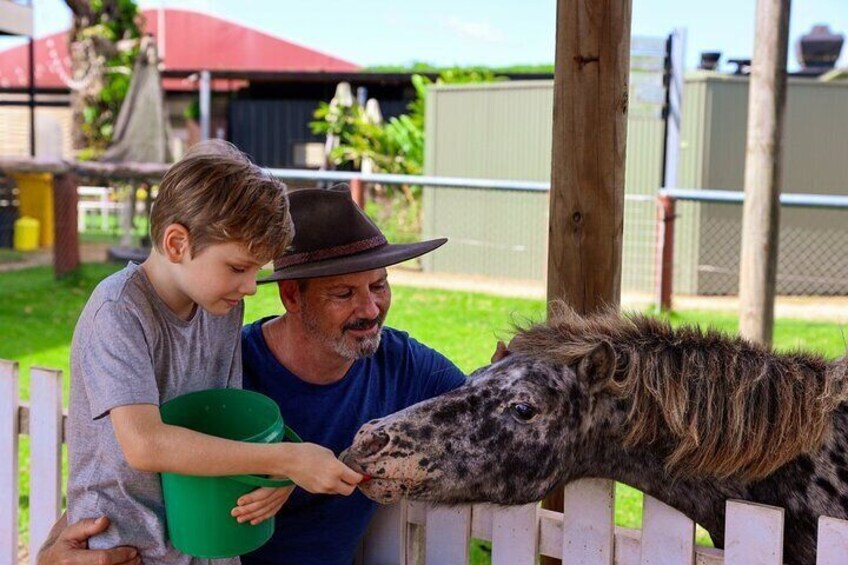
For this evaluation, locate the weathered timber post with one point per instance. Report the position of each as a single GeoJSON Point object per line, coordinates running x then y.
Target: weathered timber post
{"type": "Point", "coordinates": [587, 188]}
{"type": "Point", "coordinates": [761, 213]}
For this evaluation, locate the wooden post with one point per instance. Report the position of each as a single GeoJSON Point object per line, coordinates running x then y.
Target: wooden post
{"type": "Point", "coordinates": [665, 251]}
{"type": "Point", "coordinates": [66, 255]}
{"type": "Point", "coordinates": [587, 176]}
{"type": "Point", "coordinates": [761, 213]}
{"type": "Point", "coordinates": [589, 137]}
{"type": "Point", "coordinates": [357, 192]}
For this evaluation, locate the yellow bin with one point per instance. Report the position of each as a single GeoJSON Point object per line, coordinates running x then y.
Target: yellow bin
{"type": "Point", "coordinates": [27, 232]}
{"type": "Point", "coordinates": [36, 201]}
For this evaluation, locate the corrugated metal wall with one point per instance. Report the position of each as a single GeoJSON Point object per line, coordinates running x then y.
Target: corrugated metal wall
{"type": "Point", "coordinates": [815, 160]}
{"type": "Point", "coordinates": [503, 131]}
{"type": "Point", "coordinates": [499, 130]}
{"type": "Point", "coordinates": [268, 130]}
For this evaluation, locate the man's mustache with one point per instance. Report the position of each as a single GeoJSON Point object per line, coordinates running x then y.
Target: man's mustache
{"type": "Point", "coordinates": [364, 323]}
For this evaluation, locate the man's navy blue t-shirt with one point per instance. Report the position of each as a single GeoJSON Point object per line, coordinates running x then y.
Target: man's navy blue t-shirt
{"type": "Point", "coordinates": [326, 529]}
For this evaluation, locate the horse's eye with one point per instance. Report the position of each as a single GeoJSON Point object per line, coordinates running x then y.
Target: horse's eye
{"type": "Point", "coordinates": [523, 411]}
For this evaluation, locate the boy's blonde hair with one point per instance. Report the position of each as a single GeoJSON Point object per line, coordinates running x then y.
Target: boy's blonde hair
{"type": "Point", "coordinates": [220, 196]}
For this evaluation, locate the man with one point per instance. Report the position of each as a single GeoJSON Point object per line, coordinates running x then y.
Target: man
{"type": "Point", "coordinates": [330, 364]}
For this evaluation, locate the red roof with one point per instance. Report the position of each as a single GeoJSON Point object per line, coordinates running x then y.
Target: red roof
{"type": "Point", "coordinates": [192, 42]}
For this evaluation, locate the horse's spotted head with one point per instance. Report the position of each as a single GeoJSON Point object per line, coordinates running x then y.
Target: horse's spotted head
{"type": "Point", "coordinates": [506, 436]}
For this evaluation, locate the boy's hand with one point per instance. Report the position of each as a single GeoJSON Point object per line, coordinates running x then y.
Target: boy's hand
{"type": "Point", "coordinates": [263, 503]}
{"type": "Point", "coordinates": [317, 470]}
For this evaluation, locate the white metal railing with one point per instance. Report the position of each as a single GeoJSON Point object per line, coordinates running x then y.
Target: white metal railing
{"type": "Point", "coordinates": [457, 182]}
{"type": "Point", "coordinates": [702, 195]}
{"type": "Point", "coordinates": [731, 196]}
{"type": "Point", "coordinates": [413, 532]}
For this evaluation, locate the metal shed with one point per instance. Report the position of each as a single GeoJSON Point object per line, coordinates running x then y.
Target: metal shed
{"type": "Point", "coordinates": [815, 161]}
{"type": "Point", "coordinates": [502, 130]}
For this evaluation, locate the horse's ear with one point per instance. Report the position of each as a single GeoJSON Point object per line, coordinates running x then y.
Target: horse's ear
{"type": "Point", "coordinates": [598, 365]}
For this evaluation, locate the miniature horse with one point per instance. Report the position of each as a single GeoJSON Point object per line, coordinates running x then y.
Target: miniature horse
{"type": "Point", "coordinates": [691, 418]}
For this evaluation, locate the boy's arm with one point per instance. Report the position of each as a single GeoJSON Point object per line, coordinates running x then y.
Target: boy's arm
{"type": "Point", "coordinates": [151, 445]}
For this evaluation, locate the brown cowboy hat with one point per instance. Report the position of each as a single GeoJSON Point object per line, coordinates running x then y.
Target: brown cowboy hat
{"type": "Point", "coordinates": [333, 236]}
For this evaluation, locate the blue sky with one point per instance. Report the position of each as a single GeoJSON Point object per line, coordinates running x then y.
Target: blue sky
{"type": "Point", "coordinates": [493, 32]}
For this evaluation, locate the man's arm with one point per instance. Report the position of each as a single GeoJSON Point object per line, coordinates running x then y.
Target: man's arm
{"type": "Point", "coordinates": [68, 545]}
{"type": "Point", "coordinates": [151, 445]}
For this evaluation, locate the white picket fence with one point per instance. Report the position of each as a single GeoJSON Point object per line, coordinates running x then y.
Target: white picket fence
{"type": "Point", "coordinates": [413, 532]}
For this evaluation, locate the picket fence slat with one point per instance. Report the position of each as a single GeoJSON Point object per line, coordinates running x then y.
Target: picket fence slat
{"type": "Point", "coordinates": [753, 534]}
{"type": "Point", "coordinates": [45, 452]}
{"type": "Point", "coordinates": [382, 544]}
{"type": "Point", "coordinates": [8, 462]}
{"type": "Point", "coordinates": [448, 529]}
{"type": "Point", "coordinates": [709, 556]}
{"type": "Point", "coordinates": [550, 533]}
{"type": "Point", "coordinates": [514, 535]}
{"type": "Point", "coordinates": [413, 535]}
{"type": "Point", "coordinates": [481, 521]}
{"type": "Point", "coordinates": [588, 534]}
{"type": "Point", "coordinates": [832, 542]}
{"type": "Point", "coordinates": [668, 537]}
{"type": "Point", "coordinates": [628, 546]}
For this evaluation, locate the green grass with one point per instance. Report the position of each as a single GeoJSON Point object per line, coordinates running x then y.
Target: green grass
{"type": "Point", "coordinates": [10, 255]}
{"type": "Point", "coordinates": [38, 313]}
{"type": "Point", "coordinates": [94, 232]}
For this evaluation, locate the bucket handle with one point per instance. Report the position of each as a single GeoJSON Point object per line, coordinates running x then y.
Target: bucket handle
{"type": "Point", "coordinates": [257, 481]}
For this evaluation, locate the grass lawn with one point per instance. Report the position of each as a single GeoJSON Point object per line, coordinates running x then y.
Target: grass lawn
{"type": "Point", "coordinates": [10, 255]}
{"type": "Point", "coordinates": [38, 313]}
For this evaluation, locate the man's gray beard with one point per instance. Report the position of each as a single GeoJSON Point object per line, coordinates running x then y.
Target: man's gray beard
{"type": "Point", "coordinates": [363, 347]}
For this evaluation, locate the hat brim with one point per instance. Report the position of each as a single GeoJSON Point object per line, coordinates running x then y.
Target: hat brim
{"type": "Point", "coordinates": [384, 256]}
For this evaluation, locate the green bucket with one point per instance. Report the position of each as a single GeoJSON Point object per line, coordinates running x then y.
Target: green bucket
{"type": "Point", "coordinates": [197, 509]}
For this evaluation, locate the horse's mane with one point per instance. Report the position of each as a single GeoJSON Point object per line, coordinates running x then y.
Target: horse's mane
{"type": "Point", "coordinates": [726, 406]}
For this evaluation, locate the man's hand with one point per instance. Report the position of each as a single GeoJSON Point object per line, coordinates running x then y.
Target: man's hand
{"type": "Point", "coordinates": [263, 503]}
{"type": "Point", "coordinates": [501, 351]}
{"type": "Point", "coordinates": [68, 545]}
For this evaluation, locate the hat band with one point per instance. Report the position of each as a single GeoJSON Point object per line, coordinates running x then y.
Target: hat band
{"type": "Point", "coordinates": [329, 253]}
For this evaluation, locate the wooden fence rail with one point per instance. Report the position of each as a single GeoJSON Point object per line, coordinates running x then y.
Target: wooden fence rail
{"type": "Point", "coordinates": [414, 532]}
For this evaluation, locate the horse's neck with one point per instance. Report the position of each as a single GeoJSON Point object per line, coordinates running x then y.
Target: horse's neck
{"type": "Point", "coordinates": [816, 483]}
{"type": "Point", "coordinates": [807, 487]}
{"type": "Point", "coordinates": [702, 500]}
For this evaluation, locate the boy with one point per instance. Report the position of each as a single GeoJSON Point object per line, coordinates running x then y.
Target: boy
{"type": "Point", "coordinates": [169, 326]}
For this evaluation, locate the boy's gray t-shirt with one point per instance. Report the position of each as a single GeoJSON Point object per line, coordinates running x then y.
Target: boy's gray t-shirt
{"type": "Point", "coordinates": [130, 348]}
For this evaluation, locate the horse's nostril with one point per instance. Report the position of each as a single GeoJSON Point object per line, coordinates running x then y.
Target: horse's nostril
{"type": "Point", "coordinates": [375, 443]}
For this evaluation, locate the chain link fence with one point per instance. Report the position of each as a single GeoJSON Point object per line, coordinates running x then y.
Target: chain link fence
{"type": "Point", "coordinates": [813, 234]}
{"type": "Point", "coordinates": [497, 228]}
